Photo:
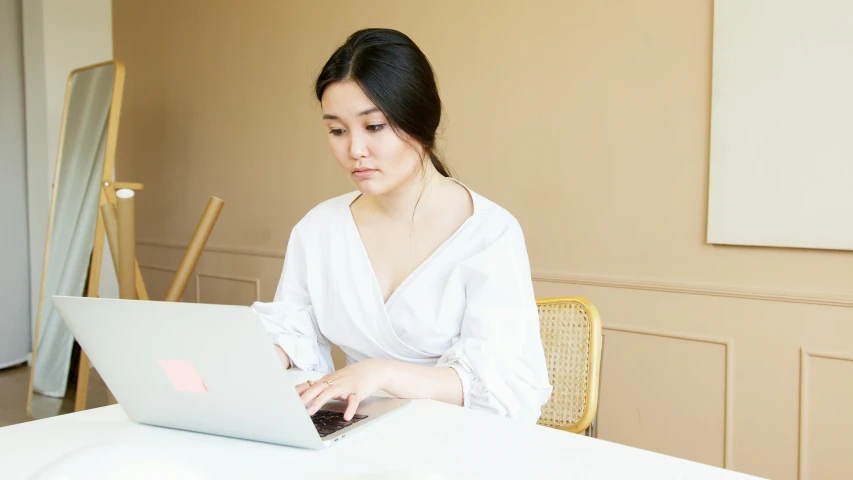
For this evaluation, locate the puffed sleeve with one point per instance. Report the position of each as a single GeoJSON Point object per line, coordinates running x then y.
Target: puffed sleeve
{"type": "Point", "coordinates": [499, 355]}
{"type": "Point", "coordinates": [289, 318]}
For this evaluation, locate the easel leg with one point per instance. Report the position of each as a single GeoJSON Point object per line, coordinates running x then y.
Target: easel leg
{"type": "Point", "coordinates": [91, 291]}
{"type": "Point", "coordinates": [82, 382]}
{"type": "Point", "coordinates": [108, 211]}
{"type": "Point", "coordinates": [126, 222]}
{"type": "Point", "coordinates": [195, 249]}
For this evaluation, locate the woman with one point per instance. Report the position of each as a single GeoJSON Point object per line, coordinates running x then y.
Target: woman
{"type": "Point", "coordinates": [422, 283]}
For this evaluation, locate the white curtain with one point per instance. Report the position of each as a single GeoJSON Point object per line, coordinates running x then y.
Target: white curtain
{"type": "Point", "coordinates": [14, 248]}
{"type": "Point", "coordinates": [74, 219]}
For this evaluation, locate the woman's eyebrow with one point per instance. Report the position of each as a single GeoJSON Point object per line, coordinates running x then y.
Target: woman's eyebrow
{"type": "Point", "coordinates": [328, 116]}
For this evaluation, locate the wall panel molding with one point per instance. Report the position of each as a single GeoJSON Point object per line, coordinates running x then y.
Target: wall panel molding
{"type": "Point", "coordinates": [158, 268]}
{"type": "Point", "coordinates": [256, 282]}
{"type": "Point", "coordinates": [728, 427]}
{"type": "Point", "coordinates": [804, 402]}
{"type": "Point", "coordinates": [629, 283]}
{"type": "Point", "coordinates": [251, 252]}
{"type": "Point", "coordinates": [697, 289]}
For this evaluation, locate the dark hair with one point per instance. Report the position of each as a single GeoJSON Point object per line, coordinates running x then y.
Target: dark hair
{"type": "Point", "coordinates": [397, 77]}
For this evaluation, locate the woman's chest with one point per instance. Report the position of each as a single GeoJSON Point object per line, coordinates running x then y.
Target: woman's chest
{"type": "Point", "coordinates": [394, 252]}
{"type": "Point", "coordinates": [420, 320]}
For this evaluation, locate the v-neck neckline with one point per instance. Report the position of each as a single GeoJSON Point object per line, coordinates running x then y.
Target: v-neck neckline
{"type": "Point", "coordinates": [422, 265]}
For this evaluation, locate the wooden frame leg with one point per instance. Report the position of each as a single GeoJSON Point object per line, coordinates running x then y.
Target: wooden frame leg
{"type": "Point", "coordinates": [91, 291]}
{"type": "Point", "coordinates": [126, 220]}
{"type": "Point", "coordinates": [82, 382]}
{"type": "Point", "coordinates": [112, 231]}
{"type": "Point", "coordinates": [195, 249]}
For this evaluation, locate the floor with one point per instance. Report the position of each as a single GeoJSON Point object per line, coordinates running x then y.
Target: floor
{"type": "Point", "coordinates": [14, 384]}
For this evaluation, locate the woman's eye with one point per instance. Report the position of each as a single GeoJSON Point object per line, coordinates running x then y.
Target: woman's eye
{"type": "Point", "coordinates": [376, 128]}
{"type": "Point", "coordinates": [337, 131]}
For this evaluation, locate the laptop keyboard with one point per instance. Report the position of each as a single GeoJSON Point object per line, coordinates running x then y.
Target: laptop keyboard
{"type": "Point", "coordinates": [328, 422]}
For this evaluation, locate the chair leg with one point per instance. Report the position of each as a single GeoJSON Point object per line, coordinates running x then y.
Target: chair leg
{"type": "Point", "coordinates": [593, 427]}
{"type": "Point", "coordinates": [592, 431]}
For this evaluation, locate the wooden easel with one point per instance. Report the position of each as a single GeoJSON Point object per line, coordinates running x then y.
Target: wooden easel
{"type": "Point", "coordinates": [107, 197]}
{"type": "Point", "coordinates": [116, 222]}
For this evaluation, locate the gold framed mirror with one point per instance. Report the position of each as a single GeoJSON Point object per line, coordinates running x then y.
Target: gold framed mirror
{"type": "Point", "coordinates": [85, 160]}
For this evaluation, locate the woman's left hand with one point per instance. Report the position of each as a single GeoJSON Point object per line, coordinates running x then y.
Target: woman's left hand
{"type": "Point", "coordinates": [352, 383]}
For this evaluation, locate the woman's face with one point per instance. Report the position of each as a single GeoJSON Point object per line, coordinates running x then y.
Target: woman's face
{"type": "Point", "coordinates": [374, 158]}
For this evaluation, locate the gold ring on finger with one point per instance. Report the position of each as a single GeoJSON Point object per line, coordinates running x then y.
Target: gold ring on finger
{"type": "Point", "coordinates": [329, 383]}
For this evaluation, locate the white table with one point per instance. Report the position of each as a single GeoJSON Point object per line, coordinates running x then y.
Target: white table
{"type": "Point", "coordinates": [426, 439]}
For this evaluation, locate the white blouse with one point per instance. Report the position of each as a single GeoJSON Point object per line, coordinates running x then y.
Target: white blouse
{"type": "Point", "coordinates": [469, 306]}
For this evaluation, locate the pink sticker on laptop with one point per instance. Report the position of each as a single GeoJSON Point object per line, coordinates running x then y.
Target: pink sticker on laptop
{"type": "Point", "coordinates": [183, 376]}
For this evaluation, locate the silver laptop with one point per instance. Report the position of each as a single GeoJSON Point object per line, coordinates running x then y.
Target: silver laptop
{"type": "Point", "coordinates": [204, 368]}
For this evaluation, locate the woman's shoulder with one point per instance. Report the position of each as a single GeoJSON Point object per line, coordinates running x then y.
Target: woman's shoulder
{"type": "Point", "coordinates": [327, 213]}
{"type": "Point", "coordinates": [490, 215]}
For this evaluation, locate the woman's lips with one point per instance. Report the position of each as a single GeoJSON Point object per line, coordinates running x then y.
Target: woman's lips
{"type": "Point", "coordinates": [363, 173]}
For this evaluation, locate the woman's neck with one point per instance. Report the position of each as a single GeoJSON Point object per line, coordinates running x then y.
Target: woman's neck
{"type": "Point", "coordinates": [400, 205]}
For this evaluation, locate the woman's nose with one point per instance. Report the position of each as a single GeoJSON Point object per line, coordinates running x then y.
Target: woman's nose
{"type": "Point", "coordinates": [357, 146]}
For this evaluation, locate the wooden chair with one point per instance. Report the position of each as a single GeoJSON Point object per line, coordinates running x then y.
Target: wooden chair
{"type": "Point", "coordinates": [571, 336]}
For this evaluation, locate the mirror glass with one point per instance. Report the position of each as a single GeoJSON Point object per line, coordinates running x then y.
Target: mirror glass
{"type": "Point", "coordinates": [86, 127]}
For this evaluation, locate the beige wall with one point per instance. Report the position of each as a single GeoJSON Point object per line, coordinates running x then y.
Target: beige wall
{"type": "Point", "coordinates": [589, 121]}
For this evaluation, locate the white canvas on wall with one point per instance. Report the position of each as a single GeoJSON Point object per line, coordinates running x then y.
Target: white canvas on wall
{"type": "Point", "coordinates": [782, 124]}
